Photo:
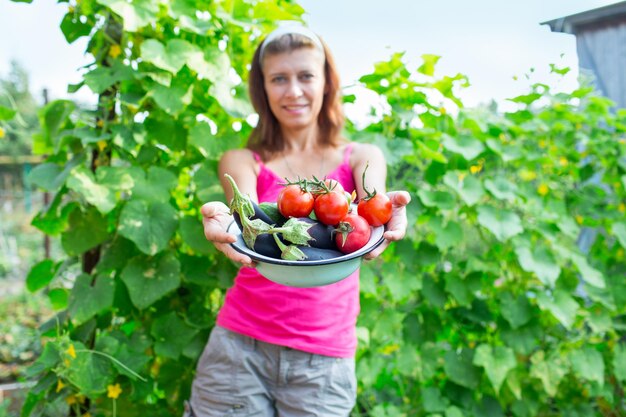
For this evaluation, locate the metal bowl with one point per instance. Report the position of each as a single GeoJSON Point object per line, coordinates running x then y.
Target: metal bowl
{"type": "Point", "coordinates": [307, 273]}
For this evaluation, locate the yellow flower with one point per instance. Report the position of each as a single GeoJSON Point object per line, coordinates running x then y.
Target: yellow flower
{"type": "Point", "coordinates": [1, 133]}
{"type": "Point", "coordinates": [71, 351]}
{"type": "Point", "coordinates": [102, 144]}
{"type": "Point", "coordinates": [542, 143]}
{"type": "Point", "coordinates": [622, 207]}
{"type": "Point", "coordinates": [563, 161]}
{"type": "Point", "coordinates": [87, 414]}
{"type": "Point", "coordinates": [114, 391]}
{"type": "Point", "coordinates": [442, 110]}
{"type": "Point", "coordinates": [543, 189]}
{"type": "Point", "coordinates": [60, 385]}
{"type": "Point", "coordinates": [71, 400]}
{"type": "Point", "coordinates": [579, 219]}
{"type": "Point", "coordinates": [115, 51]}
{"type": "Point", "coordinates": [475, 169]}
{"type": "Point", "coordinates": [527, 175]}
{"type": "Point", "coordinates": [388, 350]}
{"type": "Point", "coordinates": [100, 123]}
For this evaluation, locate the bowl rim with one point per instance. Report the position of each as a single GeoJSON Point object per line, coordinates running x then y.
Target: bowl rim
{"type": "Point", "coordinates": [241, 247]}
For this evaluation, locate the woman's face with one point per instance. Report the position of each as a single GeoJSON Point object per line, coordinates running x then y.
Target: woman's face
{"type": "Point", "coordinates": [295, 83]}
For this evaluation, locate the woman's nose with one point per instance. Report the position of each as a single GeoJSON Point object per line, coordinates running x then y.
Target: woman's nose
{"type": "Point", "coordinates": [294, 90]}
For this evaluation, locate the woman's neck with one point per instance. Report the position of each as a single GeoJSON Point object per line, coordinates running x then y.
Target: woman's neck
{"type": "Point", "coordinates": [301, 139]}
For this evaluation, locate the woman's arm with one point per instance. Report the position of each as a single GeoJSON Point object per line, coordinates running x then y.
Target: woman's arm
{"type": "Point", "coordinates": [375, 179]}
{"type": "Point", "coordinates": [239, 164]}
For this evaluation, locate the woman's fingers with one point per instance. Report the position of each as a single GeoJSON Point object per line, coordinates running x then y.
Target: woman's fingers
{"type": "Point", "coordinates": [396, 227]}
{"type": "Point", "coordinates": [215, 219]}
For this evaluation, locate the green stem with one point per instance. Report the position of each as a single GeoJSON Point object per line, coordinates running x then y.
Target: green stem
{"type": "Point", "coordinates": [112, 359]}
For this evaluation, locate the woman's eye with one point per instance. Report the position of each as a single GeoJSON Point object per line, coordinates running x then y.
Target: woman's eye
{"type": "Point", "coordinates": [306, 76]}
{"type": "Point", "coordinates": [278, 79]}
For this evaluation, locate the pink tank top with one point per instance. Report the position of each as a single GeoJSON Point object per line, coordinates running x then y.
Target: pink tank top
{"type": "Point", "coordinates": [319, 320]}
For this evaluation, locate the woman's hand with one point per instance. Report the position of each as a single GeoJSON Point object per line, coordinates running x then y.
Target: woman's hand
{"type": "Point", "coordinates": [396, 227]}
{"type": "Point", "coordinates": [215, 219]}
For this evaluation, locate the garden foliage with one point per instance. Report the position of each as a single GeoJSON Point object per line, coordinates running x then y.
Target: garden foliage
{"type": "Point", "coordinates": [506, 298]}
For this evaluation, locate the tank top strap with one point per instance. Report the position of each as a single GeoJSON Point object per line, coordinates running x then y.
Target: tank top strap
{"type": "Point", "coordinates": [347, 152]}
{"type": "Point", "coordinates": [257, 158]}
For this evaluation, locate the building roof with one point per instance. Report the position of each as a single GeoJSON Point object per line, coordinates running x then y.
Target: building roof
{"type": "Point", "coordinates": [613, 13]}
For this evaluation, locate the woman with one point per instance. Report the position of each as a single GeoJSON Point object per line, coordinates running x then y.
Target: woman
{"type": "Point", "coordinates": [278, 350]}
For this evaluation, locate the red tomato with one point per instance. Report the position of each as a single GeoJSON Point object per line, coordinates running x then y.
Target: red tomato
{"type": "Point", "coordinates": [352, 233]}
{"type": "Point", "coordinates": [331, 207]}
{"type": "Point", "coordinates": [376, 210]}
{"type": "Point", "coordinates": [294, 202]}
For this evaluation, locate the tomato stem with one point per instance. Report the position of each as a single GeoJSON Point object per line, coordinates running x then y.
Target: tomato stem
{"type": "Point", "coordinates": [368, 194]}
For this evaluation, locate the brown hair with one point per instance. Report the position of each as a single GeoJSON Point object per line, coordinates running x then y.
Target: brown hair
{"type": "Point", "coordinates": [266, 138]}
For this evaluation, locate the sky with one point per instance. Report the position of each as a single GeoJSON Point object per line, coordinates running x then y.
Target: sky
{"type": "Point", "coordinates": [499, 45]}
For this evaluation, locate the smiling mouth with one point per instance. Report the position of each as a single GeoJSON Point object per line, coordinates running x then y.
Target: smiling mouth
{"type": "Point", "coordinates": [295, 107]}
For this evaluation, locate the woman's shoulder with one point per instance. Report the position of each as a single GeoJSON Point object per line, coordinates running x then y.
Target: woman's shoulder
{"type": "Point", "coordinates": [238, 158]}
{"type": "Point", "coordinates": [364, 151]}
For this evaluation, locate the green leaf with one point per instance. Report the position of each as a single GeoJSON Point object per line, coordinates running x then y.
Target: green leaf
{"type": "Point", "coordinates": [588, 364]}
{"type": "Point", "coordinates": [40, 275]}
{"type": "Point", "coordinates": [428, 65]}
{"type": "Point", "coordinates": [447, 235]}
{"type": "Point", "coordinates": [563, 307]}
{"type": "Point", "coordinates": [427, 153]}
{"type": "Point", "coordinates": [156, 186]}
{"type": "Point", "coordinates": [149, 279]}
{"type": "Point", "coordinates": [118, 178]}
{"type": "Point", "coordinates": [50, 176]}
{"type": "Point", "coordinates": [7, 113]}
{"type": "Point", "coordinates": [171, 335]}
{"type": "Point", "coordinates": [433, 401]}
{"type": "Point", "coordinates": [460, 369]}
{"type": "Point", "coordinates": [87, 299]}
{"type": "Point", "coordinates": [588, 273]}
{"type": "Point", "coordinates": [468, 187]}
{"type": "Point", "coordinates": [73, 28]}
{"type": "Point", "coordinates": [433, 292]}
{"type": "Point", "coordinates": [192, 233]}
{"type": "Point", "coordinates": [89, 372]}
{"type": "Point", "coordinates": [454, 411]}
{"type": "Point", "coordinates": [136, 15]}
{"type": "Point", "coordinates": [47, 360]}
{"type": "Point", "coordinates": [549, 370]}
{"type": "Point", "coordinates": [82, 181]}
{"type": "Point", "coordinates": [618, 229]}
{"type": "Point", "coordinates": [58, 298]}
{"type": "Point", "coordinates": [171, 57]}
{"type": "Point", "coordinates": [166, 131]}
{"type": "Point", "coordinates": [503, 223]}
{"type": "Point", "coordinates": [459, 288]}
{"type": "Point", "coordinates": [526, 98]}
{"type": "Point", "coordinates": [619, 362]}
{"type": "Point", "coordinates": [539, 261]}
{"type": "Point", "coordinates": [172, 99]}
{"type": "Point", "coordinates": [465, 145]}
{"type": "Point", "coordinates": [101, 78]}
{"type": "Point", "coordinates": [501, 188]}
{"type": "Point", "coordinates": [209, 145]}
{"type": "Point", "coordinates": [497, 361]}
{"type": "Point", "coordinates": [508, 152]}
{"type": "Point", "coordinates": [516, 311]}
{"type": "Point", "coordinates": [87, 229]}
{"type": "Point", "coordinates": [52, 119]}
{"type": "Point", "coordinates": [149, 225]}
{"type": "Point", "coordinates": [440, 199]}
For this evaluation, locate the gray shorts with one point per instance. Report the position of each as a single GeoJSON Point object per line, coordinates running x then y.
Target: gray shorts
{"type": "Point", "coordinates": [240, 376]}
